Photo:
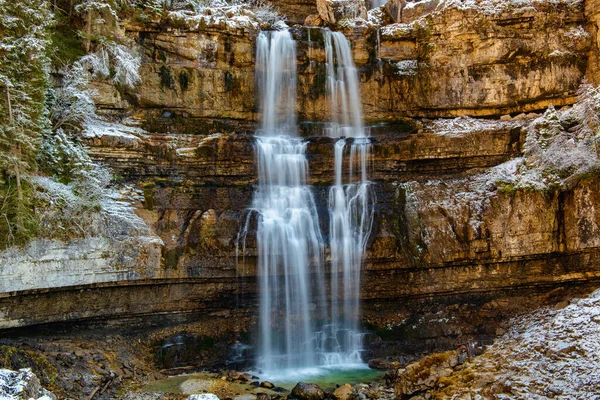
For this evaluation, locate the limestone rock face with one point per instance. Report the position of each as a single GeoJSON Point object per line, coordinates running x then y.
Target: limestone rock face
{"type": "Point", "coordinates": [295, 10]}
{"type": "Point", "coordinates": [333, 11]}
{"type": "Point", "coordinates": [405, 12]}
{"type": "Point", "coordinates": [462, 61]}
{"type": "Point", "coordinates": [394, 8]}
{"type": "Point", "coordinates": [592, 14]}
{"type": "Point", "coordinates": [207, 73]}
{"type": "Point", "coordinates": [439, 60]}
{"type": "Point", "coordinates": [464, 252]}
{"type": "Point", "coordinates": [313, 20]}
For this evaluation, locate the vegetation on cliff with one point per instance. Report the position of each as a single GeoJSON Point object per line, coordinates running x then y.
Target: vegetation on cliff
{"type": "Point", "coordinates": [51, 52]}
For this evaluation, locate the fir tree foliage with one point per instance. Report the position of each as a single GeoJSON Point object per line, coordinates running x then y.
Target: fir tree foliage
{"type": "Point", "coordinates": [24, 80]}
{"type": "Point", "coordinates": [117, 62]}
{"type": "Point", "coordinates": [71, 105]}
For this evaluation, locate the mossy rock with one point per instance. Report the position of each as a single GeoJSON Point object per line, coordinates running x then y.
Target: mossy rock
{"type": "Point", "coordinates": [14, 359]}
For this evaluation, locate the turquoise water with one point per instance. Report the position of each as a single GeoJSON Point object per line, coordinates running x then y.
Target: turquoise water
{"type": "Point", "coordinates": [326, 376]}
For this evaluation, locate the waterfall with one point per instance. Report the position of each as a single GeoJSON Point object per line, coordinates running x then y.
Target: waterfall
{"type": "Point", "coordinates": [289, 242]}
{"type": "Point", "coordinates": [350, 198]}
{"type": "Point", "coordinates": [297, 330]}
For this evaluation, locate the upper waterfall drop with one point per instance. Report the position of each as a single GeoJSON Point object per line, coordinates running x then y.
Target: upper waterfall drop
{"type": "Point", "coordinates": [276, 78]}
{"type": "Point", "coordinates": [342, 88]}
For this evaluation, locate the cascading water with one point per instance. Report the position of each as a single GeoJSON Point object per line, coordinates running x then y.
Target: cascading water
{"type": "Point", "coordinates": [350, 199]}
{"type": "Point", "coordinates": [289, 242]}
{"type": "Point", "coordinates": [290, 245]}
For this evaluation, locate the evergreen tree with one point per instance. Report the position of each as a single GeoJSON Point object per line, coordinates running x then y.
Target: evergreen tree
{"type": "Point", "coordinates": [24, 39]}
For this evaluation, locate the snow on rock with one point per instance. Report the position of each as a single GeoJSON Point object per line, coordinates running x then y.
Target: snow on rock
{"type": "Point", "coordinates": [97, 128]}
{"type": "Point", "coordinates": [465, 125]}
{"type": "Point", "coordinates": [22, 384]}
{"type": "Point", "coordinates": [117, 245]}
{"type": "Point", "coordinates": [376, 17]}
{"type": "Point", "coordinates": [553, 352]}
{"type": "Point", "coordinates": [204, 396]}
{"type": "Point", "coordinates": [407, 67]}
{"type": "Point", "coordinates": [495, 7]}
{"type": "Point", "coordinates": [232, 15]}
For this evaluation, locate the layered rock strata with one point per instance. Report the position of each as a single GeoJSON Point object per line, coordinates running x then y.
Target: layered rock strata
{"type": "Point", "coordinates": [451, 252]}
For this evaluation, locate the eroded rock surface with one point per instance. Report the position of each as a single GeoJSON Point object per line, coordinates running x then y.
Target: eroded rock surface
{"type": "Point", "coordinates": [453, 252]}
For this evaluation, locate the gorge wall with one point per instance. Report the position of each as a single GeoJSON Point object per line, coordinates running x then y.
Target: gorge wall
{"type": "Point", "coordinates": [452, 253]}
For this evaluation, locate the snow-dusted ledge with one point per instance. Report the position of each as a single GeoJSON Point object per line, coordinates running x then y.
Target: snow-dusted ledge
{"type": "Point", "coordinates": [120, 247]}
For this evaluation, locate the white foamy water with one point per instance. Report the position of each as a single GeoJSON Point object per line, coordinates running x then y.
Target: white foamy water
{"type": "Point", "coordinates": [350, 200]}
{"type": "Point", "coordinates": [290, 244]}
{"type": "Point", "coordinates": [299, 335]}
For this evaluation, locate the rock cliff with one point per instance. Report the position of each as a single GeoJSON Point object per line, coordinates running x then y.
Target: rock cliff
{"type": "Point", "coordinates": [453, 252]}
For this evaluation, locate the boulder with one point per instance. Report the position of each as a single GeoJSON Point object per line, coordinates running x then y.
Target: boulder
{"type": "Point", "coordinates": [379, 363]}
{"type": "Point", "coordinates": [267, 384]}
{"type": "Point", "coordinates": [344, 392]}
{"type": "Point", "coordinates": [307, 391]}
{"type": "Point", "coordinates": [22, 384]}
{"type": "Point", "coordinates": [422, 375]}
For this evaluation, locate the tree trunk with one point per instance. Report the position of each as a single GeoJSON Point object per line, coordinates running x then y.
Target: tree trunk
{"type": "Point", "coordinates": [17, 155]}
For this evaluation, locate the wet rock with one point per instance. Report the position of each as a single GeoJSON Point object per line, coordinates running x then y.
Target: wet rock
{"type": "Point", "coordinates": [262, 396]}
{"type": "Point", "coordinates": [344, 392]}
{"type": "Point", "coordinates": [267, 384]}
{"type": "Point", "coordinates": [379, 363]}
{"type": "Point", "coordinates": [307, 391]}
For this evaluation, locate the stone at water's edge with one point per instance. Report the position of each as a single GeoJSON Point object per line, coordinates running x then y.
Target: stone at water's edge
{"type": "Point", "coordinates": [307, 391]}
{"type": "Point", "coordinates": [344, 392]}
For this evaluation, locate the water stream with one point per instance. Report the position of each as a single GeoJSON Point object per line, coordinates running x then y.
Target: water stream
{"type": "Point", "coordinates": [350, 198]}
{"type": "Point", "coordinates": [299, 334]}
